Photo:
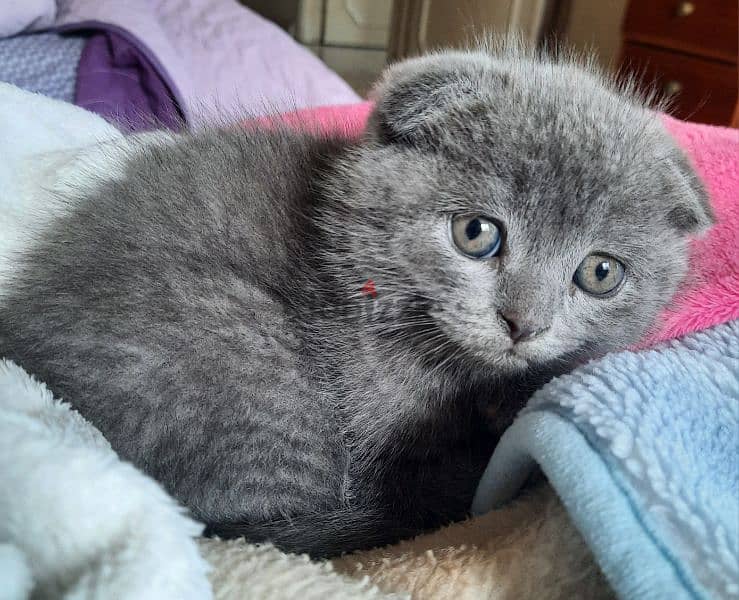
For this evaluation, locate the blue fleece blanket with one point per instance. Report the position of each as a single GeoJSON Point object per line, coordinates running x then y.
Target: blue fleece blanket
{"type": "Point", "coordinates": [643, 450]}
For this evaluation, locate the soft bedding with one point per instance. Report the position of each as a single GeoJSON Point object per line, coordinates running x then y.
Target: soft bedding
{"type": "Point", "coordinates": [643, 449]}
{"type": "Point", "coordinates": [166, 61]}
{"type": "Point", "coordinates": [529, 549]}
{"type": "Point", "coordinates": [118, 81]}
{"type": "Point", "coordinates": [78, 522]}
{"type": "Point", "coordinates": [217, 57]}
{"type": "Point", "coordinates": [45, 63]}
{"type": "Point", "coordinates": [18, 16]}
{"type": "Point", "coordinates": [145, 64]}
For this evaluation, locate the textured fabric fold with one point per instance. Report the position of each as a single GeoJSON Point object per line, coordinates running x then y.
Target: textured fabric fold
{"type": "Point", "coordinates": [643, 449]}
{"type": "Point", "coordinates": [116, 80]}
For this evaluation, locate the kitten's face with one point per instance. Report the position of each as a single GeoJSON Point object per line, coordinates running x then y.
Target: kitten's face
{"type": "Point", "coordinates": [531, 217]}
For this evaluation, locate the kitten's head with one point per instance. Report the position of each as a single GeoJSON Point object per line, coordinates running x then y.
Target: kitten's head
{"type": "Point", "coordinates": [515, 209]}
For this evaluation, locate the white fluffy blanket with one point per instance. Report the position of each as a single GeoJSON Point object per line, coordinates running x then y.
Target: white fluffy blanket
{"type": "Point", "coordinates": [77, 522]}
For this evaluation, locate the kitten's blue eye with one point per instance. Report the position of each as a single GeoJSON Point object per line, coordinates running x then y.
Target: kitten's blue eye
{"type": "Point", "coordinates": [475, 236]}
{"type": "Point", "coordinates": [599, 275]}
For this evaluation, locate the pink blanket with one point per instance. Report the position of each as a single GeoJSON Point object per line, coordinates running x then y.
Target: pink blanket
{"type": "Point", "coordinates": [711, 294]}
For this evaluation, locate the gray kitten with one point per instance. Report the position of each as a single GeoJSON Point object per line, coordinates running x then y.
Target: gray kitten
{"type": "Point", "coordinates": [300, 336]}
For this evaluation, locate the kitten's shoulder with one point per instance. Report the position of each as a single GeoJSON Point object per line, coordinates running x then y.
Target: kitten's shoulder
{"type": "Point", "coordinates": [229, 162]}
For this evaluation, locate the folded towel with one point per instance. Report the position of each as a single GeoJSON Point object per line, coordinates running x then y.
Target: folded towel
{"type": "Point", "coordinates": [643, 449]}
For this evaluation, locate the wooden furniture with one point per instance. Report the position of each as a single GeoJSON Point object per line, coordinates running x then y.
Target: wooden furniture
{"type": "Point", "coordinates": [689, 49]}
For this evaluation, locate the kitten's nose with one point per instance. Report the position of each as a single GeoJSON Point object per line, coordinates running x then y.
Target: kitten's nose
{"type": "Point", "coordinates": [519, 329]}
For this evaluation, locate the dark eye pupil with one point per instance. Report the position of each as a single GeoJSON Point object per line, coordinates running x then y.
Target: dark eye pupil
{"type": "Point", "coordinates": [473, 229]}
{"type": "Point", "coordinates": [602, 270]}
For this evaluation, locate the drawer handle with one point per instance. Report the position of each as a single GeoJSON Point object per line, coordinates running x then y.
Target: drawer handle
{"type": "Point", "coordinates": [672, 87]}
{"type": "Point", "coordinates": [685, 9]}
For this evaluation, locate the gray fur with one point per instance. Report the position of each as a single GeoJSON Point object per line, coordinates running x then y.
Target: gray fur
{"type": "Point", "coordinates": [204, 311]}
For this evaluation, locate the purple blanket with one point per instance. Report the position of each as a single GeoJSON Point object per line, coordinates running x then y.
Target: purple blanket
{"type": "Point", "coordinates": [201, 60]}
{"type": "Point", "coordinates": [116, 80]}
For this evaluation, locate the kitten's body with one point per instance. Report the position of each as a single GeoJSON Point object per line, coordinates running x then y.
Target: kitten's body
{"type": "Point", "coordinates": [205, 311]}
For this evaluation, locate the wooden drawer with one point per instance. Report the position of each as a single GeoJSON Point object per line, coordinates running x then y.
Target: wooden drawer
{"type": "Point", "coordinates": [705, 90]}
{"type": "Point", "coordinates": [704, 27]}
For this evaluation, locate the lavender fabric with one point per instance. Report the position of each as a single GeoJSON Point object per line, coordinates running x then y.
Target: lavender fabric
{"type": "Point", "coordinates": [43, 63]}
{"type": "Point", "coordinates": [217, 58]}
{"type": "Point", "coordinates": [18, 16]}
{"type": "Point", "coordinates": [117, 81]}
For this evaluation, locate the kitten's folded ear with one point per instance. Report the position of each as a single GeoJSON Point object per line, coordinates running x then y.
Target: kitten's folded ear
{"type": "Point", "coordinates": [692, 213]}
{"type": "Point", "coordinates": [415, 97]}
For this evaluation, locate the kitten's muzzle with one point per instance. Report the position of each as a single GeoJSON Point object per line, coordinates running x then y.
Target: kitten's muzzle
{"type": "Point", "coordinates": [519, 329]}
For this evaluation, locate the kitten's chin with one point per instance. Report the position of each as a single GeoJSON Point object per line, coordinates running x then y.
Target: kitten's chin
{"type": "Point", "coordinates": [512, 361]}
{"type": "Point", "coordinates": [506, 361]}
{"type": "Point", "coordinates": [492, 350]}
